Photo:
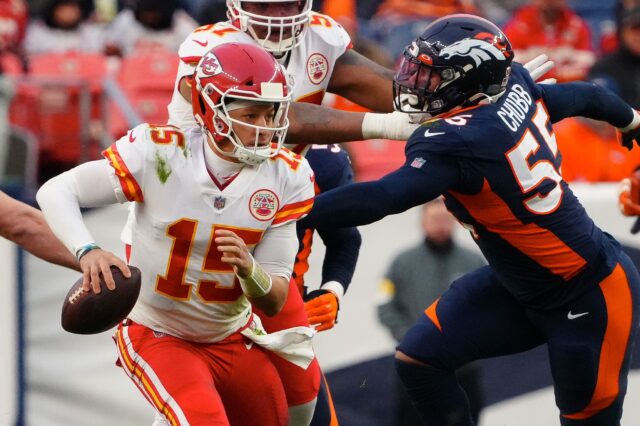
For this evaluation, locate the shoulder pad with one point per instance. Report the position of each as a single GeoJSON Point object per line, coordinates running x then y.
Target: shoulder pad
{"type": "Point", "coordinates": [162, 139]}
{"type": "Point", "coordinates": [205, 38]}
{"type": "Point", "coordinates": [329, 31]}
{"type": "Point", "coordinates": [289, 158]}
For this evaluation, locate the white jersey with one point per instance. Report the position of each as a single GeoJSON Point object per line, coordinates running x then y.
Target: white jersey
{"type": "Point", "coordinates": [310, 64]}
{"type": "Point", "coordinates": [187, 291]}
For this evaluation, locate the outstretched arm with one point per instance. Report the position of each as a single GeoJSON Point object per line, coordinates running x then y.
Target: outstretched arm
{"type": "Point", "coordinates": [586, 100]}
{"type": "Point", "coordinates": [368, 202]}
{"type": "Point", "coordinates": [363, 81]}
{"type": "Point", "coordinates": [26, 226]}
{"type": "Point", "coordinates": [316, 124]}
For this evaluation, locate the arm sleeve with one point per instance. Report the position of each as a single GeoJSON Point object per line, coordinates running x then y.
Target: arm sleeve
{"type": "Point", "coordinates": [277, 250]}
{"type": "Point", "coordinates": [367, 202]}
{"type": "Point", "coordinates": [61, 198]}
{"type": "Point", "coordinates": [341, 255]}
{"type": "Point", "coordinates": [126, 158]}
{"type": "Point", "coordinates": [586, 100]}
{"type": "Point", "coordinates": [333, 169]}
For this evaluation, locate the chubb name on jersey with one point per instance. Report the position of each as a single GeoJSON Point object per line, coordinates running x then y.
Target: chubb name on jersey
{"type": "Point", "coordinates": [515, 107]}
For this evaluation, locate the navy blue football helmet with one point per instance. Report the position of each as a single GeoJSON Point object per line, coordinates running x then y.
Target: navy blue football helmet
{"type": "Point", "coordinates": [459, 60]}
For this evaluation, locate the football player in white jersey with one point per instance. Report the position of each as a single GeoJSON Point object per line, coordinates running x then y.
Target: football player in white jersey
{"type": "Point", "coordinates": [316, 51]}
{"type": "Point", "coordinates": [214, 233]}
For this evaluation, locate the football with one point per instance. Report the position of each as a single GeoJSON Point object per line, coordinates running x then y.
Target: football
{"type": "Point", "coordinates": [90, 313]}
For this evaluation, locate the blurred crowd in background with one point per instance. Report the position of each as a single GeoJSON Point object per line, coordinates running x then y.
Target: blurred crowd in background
{"type": "Point", "coordinates": [76, 74]}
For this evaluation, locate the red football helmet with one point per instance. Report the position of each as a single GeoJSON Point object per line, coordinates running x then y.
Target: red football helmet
{"type": "Point", "coordinates": [277, 25]}
{"type": "Point", "coordinates": [13, 23]}
{"type": "Point", "coordinates": [237, 75]}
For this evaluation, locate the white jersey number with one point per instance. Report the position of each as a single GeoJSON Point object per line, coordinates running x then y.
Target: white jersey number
{"type": "Point", "coordinates": [530, 177]}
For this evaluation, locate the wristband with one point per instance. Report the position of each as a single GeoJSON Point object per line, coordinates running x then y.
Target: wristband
{"type": "Point", "coordinates": [257, 283]}
{"type": "Point", "coordinates": [394, 125]}
{"type": "Point", "coordinates": [634, 123]}
{"type": "Point", "coordinates": [82, 250]}
{"type": "Point", "coordinates": [334, 287]}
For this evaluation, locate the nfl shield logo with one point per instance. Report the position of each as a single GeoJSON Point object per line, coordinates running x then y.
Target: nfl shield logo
{"type": "Point", "coordinates": [418, 162]}
{"type": "Point", "coordinates": [218, 202]}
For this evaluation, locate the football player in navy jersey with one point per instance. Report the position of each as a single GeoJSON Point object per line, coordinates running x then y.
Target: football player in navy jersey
{"type": "Point", "coordinates": [332, 168]}
{"type": "Point", "coordinates": [553, 277]}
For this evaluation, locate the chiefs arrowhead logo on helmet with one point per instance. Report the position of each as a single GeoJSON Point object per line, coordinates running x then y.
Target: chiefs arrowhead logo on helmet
{"type": "Point", "coordinates": [210, 65]}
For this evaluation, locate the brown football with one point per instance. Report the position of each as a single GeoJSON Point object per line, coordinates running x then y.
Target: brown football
{"type": "Point", "coordinates": [90, 313]}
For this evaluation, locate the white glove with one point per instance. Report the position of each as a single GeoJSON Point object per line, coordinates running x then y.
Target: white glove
{"type": "Point", "coordinates": [539, 66]}
{"type": "Point", "coordinates": [394, 125]}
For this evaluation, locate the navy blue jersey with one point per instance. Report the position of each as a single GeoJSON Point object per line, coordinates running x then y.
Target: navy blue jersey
{"type": "Point", "coordinates": [332, 168]}
{"type": "Point", "coordinates": [498, 166]}
{"type": "Point", "coordinates": [511, 196]}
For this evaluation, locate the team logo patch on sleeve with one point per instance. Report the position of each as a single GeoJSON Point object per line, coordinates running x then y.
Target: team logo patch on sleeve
{"type": "Point", "coordinates": [418, 162]}
{"type": "Point", "coordinates": [317, 68]}
{"type": "Point", "coordinates": [263, 204]}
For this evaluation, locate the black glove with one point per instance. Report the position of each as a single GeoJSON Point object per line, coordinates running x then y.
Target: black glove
{"type": "Point", "coordinates": [629, 137]}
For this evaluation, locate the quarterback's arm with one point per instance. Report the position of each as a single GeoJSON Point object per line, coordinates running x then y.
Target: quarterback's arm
{"type": "Point", "coordinates": [363, 81]}
{"type": "Point", "coordinates": [367, 202]}
{"type": "Point", "coordinates": [272, 265]}
{"type": "Point", "coordinates": [61, 198]}
{"type": "Point", "coordinates": [26, 226]}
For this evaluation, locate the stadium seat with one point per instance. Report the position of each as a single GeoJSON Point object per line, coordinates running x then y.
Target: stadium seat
{"type": "Point", "coordinates": [147, 79]}
{"type": "Point", "coordinates": [60, 102]}
{"type": "Point", "coordinates": [374, 158]}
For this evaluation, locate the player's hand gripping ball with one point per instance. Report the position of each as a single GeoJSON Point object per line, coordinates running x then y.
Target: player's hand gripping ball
{"type": "Point", "coordinates": [91, 313]}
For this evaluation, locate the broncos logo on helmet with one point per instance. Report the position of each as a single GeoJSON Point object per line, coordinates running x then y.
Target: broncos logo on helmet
{"type": "Point", "coordinates": [478, 50]}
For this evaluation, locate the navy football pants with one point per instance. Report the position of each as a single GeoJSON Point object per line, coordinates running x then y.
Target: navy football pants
{"type": "Point", "coordinates": [589, 340]}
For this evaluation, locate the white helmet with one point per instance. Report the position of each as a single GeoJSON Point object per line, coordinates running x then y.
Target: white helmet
{"type": "Point", "coordinates": [277, 34]}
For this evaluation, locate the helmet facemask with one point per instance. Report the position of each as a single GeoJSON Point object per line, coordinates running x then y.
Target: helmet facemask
{"type": "Point", "coordinates": [420, 86]}
{"type": "Point", "coordinates": [221, 125]}
{"type": "Point", "coordinates": [277, 34]}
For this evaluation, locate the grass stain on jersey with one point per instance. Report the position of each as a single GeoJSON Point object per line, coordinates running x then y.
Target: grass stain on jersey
{"type": "Point", "coordinates": [162, 169]}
